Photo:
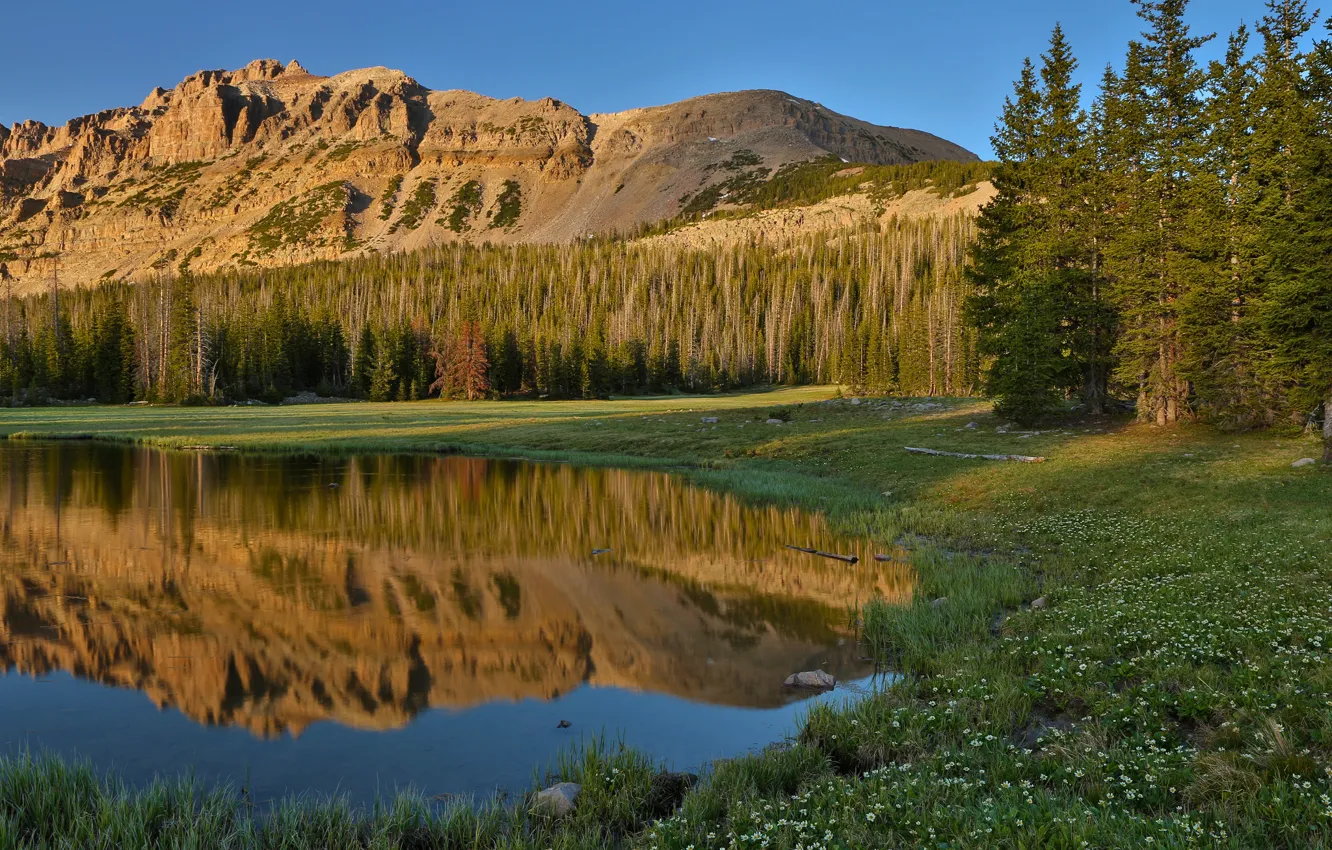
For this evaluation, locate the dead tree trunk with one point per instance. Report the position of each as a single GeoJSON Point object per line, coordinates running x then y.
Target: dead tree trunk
{"type": "Point", "coordinates": [1327, 430]}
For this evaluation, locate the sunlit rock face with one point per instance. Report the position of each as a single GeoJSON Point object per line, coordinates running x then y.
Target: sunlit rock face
{"type": "Point", "coordinates": [270, 164]}
{"type": "Point", "coordinates": [274, 593]}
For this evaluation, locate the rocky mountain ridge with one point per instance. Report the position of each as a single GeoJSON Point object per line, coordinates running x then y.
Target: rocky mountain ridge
{"type": "Point", "coordinates": [270, 165]}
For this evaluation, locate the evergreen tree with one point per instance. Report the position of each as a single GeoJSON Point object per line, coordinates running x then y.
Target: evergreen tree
{"type": "Point", "coordinates": [1215, 316]}
{"type": "Point", "coordinates": [1157, 252]}
{"type": "Point", "coordinates": [1035, 303]}
{"type": "Point", "coordinates": [363, 367]}
{"type": "Point", "coordinates": [1297, 310]}
{"type": "Point", "coordinates": [384, 373]}
{"type": "Point", "coordinates": [112, 355]}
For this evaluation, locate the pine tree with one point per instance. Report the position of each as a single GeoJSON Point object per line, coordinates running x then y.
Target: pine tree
{"type": "Point", "coordinates": [1036, 301]}
{"type": "Point", "coordinates": [1214, 316]}
{"type": "Point", "coordinates": [112, 354]}
{"type": "Point", "coordinates": [384, 374]}
{"type": "Point", "coordinates": [1157, 251]}
{"type": "Point", "coordinates": [363, 366]}
{"type": "Point", "coordinates": [1297, 309]}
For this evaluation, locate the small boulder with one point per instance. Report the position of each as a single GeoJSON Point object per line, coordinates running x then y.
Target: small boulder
{"type": "Point", "coordinates": [812, 680]}
{"type": "Point", "coordinates": [557, 800]}
{"type": "Point", "coordinates": [882, 558]}
{"type": "Point", "coordinates": [1040, 604]}
{"type": "Point", "coordinates": [776, 422]}
{"type": "Point", "coordinates": [563, 724]}
{"type": "Point", "coordinates": [1303, 462]}
{"type": "Point", "coordinates": [940, 602]}
{"type": "Point", "coordinates": [972, 426]}
{"type": "Point", "coordinates": [710, 420]}
{"type": "Point", "coordinates": [855, 401]}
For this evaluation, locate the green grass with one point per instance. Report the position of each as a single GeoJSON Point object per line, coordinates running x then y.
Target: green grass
{"type": "Point", "coordinates": [1175, 690]}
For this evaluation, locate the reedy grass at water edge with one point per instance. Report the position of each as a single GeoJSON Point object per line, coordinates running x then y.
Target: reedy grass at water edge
{"type": "Point", "coordinates": [1174, 693]}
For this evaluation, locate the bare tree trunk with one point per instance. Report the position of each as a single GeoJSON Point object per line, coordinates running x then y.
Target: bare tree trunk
{"type": "Point", "coordinates": [1327, 430]}
{"type": "Point", "coordinates": [198, 351]}
{"type": "Point", "coordinates": [1093, 390]}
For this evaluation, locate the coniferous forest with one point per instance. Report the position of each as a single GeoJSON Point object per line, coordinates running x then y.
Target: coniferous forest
{"type": "Point", "coordinates": [1161, 242]}
{"type": "Point", "coordinates": [1168, 243]}
{"type": "Point", "coordinates": [876, 310]}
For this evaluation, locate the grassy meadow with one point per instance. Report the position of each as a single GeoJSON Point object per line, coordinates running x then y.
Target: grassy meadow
{"type": "Point", "coordinates": [1170, 687]}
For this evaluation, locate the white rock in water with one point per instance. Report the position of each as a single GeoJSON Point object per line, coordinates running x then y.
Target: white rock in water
{"type": "Point", "coordinates": [815, 680]}
{"type": "Point", "coordinates": [1307, 461]}
{"type": "Point", "coordinates": [558, 800]}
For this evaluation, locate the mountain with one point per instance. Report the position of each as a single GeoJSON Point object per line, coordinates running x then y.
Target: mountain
{"type": "Point", "coordinates": [272, 165]}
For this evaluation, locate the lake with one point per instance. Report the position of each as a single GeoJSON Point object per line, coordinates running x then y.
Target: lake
{"type": "Point", "coordinates": [357, 625]}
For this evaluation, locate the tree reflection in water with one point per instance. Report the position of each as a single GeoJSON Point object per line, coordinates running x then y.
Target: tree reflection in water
{"type": "Point", "coordinates": [274, 592]}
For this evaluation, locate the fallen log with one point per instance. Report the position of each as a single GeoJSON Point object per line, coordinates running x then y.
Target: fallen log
{"type": "Point", "coordinates": [850, 559]}
{"type": "Point", "coordinates": [937, 453]}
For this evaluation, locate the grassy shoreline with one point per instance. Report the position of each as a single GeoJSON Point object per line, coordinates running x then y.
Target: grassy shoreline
{"type": "Point", "coordinates": [1172, 689]}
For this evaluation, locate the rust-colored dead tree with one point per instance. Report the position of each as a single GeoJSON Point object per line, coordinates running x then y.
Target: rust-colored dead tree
{"type": "Point", "coordinates": [464, 370]}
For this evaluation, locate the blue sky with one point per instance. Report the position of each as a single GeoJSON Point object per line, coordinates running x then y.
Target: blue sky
{"type": "Point", "coordinates": [942, 66]}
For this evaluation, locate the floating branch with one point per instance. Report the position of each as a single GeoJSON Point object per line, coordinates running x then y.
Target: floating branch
{"type": "Point", "coordinates": [937, 453]}
{"type": "Point", "coordinates": [850, 559]}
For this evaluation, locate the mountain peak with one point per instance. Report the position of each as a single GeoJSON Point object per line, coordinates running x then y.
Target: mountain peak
{"type": "Point", "coordinates": [270, 164]}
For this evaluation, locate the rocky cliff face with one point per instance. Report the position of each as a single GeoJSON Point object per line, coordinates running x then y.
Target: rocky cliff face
{"type": "Point", "coordinates": [270, 164]}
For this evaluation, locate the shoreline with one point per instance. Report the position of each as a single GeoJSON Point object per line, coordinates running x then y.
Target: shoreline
{"type": "Point", "coordinates": [1014, 561]}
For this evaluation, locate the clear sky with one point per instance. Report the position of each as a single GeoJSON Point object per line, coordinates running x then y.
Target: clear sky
{"type": "Point", "coordinates": [943, 66]}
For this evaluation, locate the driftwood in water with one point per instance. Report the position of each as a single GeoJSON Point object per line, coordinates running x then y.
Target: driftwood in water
{"type": "Point", "coordinates": [850, 559]}
{"type": "Point", "coordinates": [937, 453]}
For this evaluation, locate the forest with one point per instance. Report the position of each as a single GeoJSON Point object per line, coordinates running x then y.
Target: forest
{"type": "Point", "coordinates": [1169, 244]}
{"type": "Point", "coordinates": [1160, 244]}
{"type": "Point", "coordinates": [877, 310]}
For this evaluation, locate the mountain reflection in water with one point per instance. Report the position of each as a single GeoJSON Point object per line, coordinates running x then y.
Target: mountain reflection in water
{"type": "Point", "coordinates": [274, 592]}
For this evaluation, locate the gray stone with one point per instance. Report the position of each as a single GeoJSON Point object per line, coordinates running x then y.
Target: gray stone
{"type": "Point", "coordinates": [558, 800]}
{"type": "Point", "coordinates": [1039, 604]}
{"type": "Point", "coordinates": [1302, 462]}
{"type": "Point", "coordinates": [972, 426]}
{"type": "Point", "coordinates": [710, 420]}
{"type": "Point", "coordinates": [940, 602]}
{"type": "Point", "coordinates": [775, 422]}
{"type": "Point", "coordinates": [855, 401]}
{"type": "Point", "coordinates": [814, 680]}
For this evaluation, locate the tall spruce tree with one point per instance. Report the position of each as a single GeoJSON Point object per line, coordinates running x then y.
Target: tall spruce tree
{"type": "Point", "coordinates": [1064, 247]}
{"type": "Point", "coordinates": [1220, 358]}
{"type": "Point", "coordinates": [1014, 315]}
{"type": "Point", "coordinates": [1156, 253]}
{"type": "Point", "coordinates": [1033, 266]}
{"type": "Point", "coordinates": [1297, 308]}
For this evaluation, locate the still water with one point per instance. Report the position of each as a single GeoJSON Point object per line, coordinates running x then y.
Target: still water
{"type": "Point", "coordinates": [356, 625]}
